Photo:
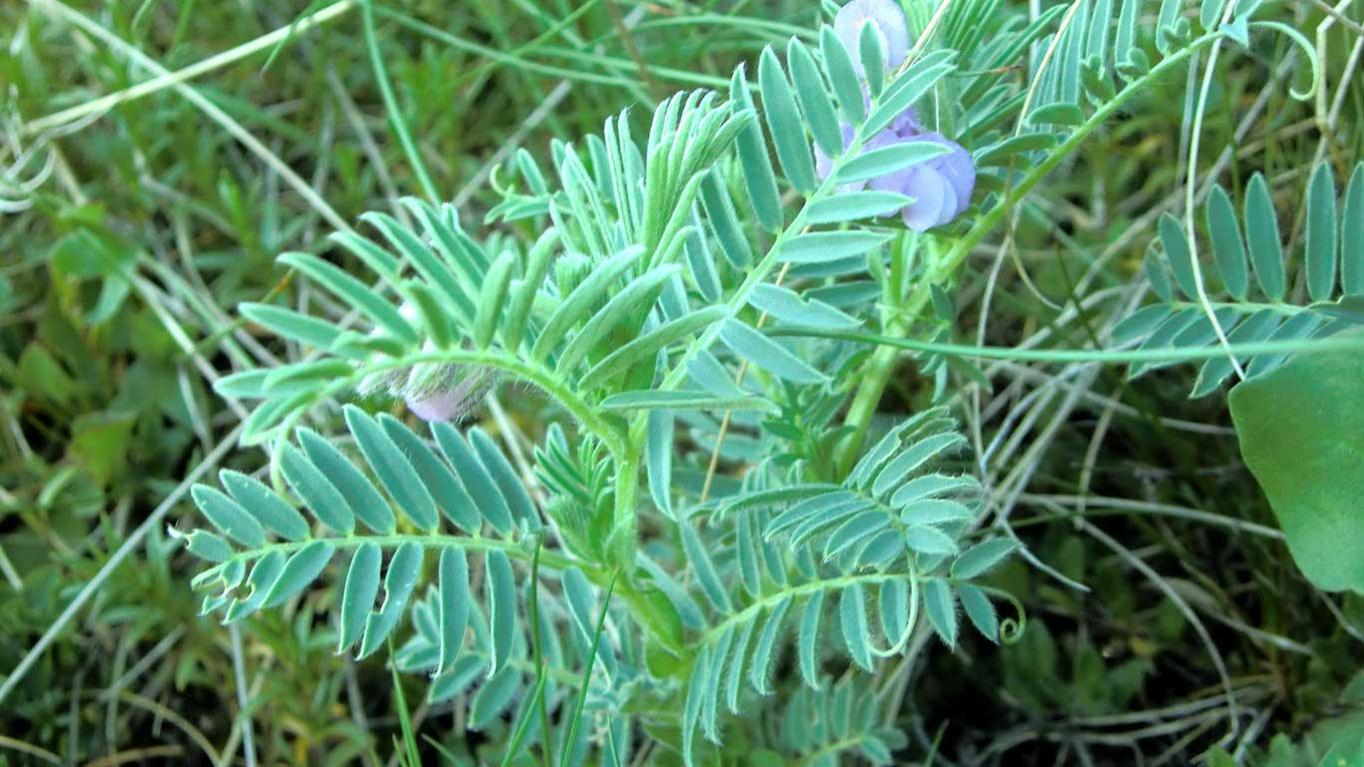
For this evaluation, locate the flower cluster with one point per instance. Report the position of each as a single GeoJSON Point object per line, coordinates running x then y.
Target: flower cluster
{"type": "Point", "coordinates": [941, 187]}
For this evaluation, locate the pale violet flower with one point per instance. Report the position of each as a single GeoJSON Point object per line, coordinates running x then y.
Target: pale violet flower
{"type": "Point", "coordinates": [941, 187]}
{"type": "Point", "coordinates": [886, 17]}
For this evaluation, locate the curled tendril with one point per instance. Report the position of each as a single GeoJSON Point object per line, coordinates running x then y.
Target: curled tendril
{"type": "Point", "coordinates": [1010, 629]}
{"type": "Point", "coordinates": [16, 190]}
{"type": "Point", "coordinates": [903, 641]}
{"type": "Point", "coordinates": [1298, 39]}
{"type": "Point", "coordinates": [496, 184]}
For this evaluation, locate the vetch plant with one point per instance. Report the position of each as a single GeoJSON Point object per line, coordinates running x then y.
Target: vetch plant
{"type": "Point", "coordinates": [714, 498]}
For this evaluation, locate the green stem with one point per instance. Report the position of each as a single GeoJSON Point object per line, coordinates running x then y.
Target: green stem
{"type": "Point", "coordinates": [624, 517]}
{"type": "Point", "coordinates": [882, 364]}
{"type": "Point", "coordinates": [1329, 344]}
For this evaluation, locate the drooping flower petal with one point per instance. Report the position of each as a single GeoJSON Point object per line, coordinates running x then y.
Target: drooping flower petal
{"type": "Point", "coordinates": [955, 166]}
{"type": "Point", "coordinates": [931, 199]}
{"type": "Point", "coordinates": [453, 400]}
{"type": "Point", "coordinates": [890, 24]}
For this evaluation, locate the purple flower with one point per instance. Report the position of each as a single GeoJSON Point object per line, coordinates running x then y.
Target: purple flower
{"type": "Point", "coordinates": [886, 17]}
{"type": "Point", "coordinates": [941, 187]}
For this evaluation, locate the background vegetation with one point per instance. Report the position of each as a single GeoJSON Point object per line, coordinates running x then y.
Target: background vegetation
{"type": "Point", "coordinates": [131, 230]}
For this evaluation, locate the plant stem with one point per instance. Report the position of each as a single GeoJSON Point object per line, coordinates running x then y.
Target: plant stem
{"type": "Point", "coordinates": [882, 364]}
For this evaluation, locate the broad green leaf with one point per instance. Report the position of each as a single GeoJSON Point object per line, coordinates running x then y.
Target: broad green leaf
{"type": "Point", "coordinates": [1299, 429]}
{"type": "Point", "coordinates": [767, 354]}
{"type": "Point", "coordinates": [1321, 234]}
